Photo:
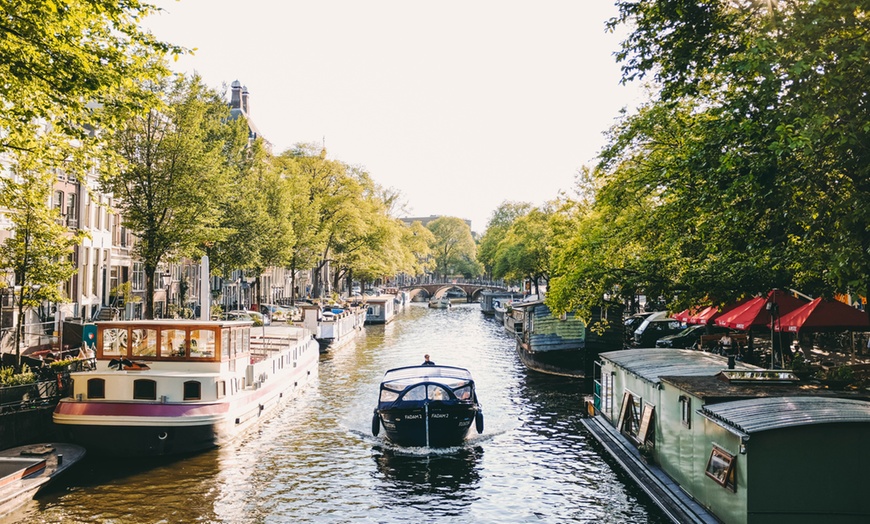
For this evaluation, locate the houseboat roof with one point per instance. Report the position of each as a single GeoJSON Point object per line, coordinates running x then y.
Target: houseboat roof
{"type": "Point", "coordinates": [764, 414]}
{"type": "Point", "coordinates": [652, 364]}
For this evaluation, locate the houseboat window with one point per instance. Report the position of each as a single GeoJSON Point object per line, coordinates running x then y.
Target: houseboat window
{"type": "Point", "coordinates": [647, 422]}
{"type": "Point", "coordinates": [202, 343]}
{"type": "Point", "coordinates": [115, 341]}
{"type": "Point", "coordinates": [225, 344]}
{"type": "Point", "coordinates": [246, 339]}
{"type": "Point", "coordinates": [237, 344]}
{"type": "Point", "coordinates": [686, 411]}
{"type": "Point", "coordinates": [96, 388]}
{"type": "Point", "coordinates": [221, 389]}
{"type": "Point", "coordinates": [720, 467]}
{"type": "Point", "coordinates": [144, 342]}
{"type": "Point", "coordinates": [192, 390]}
{"type": "Point", "coordinates": [172, 343]}
{"type": "Point", "coordinates": [629, 414]}
{"type": "Point", "coordinates": [144, 389]}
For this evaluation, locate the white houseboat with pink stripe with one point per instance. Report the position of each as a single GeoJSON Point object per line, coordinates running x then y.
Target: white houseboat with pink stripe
{"type": "Point", "coordinates": [172, 387]}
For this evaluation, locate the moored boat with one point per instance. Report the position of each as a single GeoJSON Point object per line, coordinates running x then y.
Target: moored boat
{"type": "Point", "coordinates": [432, 406]}
{"type": "Point", "coordinates": [442, 302]}
{"type": "Point", "coordinates": [171, 387]}
{"type": "Point", "coordinates": [333, 327]}
{"type": "Point", "coordinates": [25, 470]}
{"type": "Point", "coordinates": [561, 345]}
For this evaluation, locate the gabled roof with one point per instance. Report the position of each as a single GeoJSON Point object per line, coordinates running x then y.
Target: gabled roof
{"type": "Point", "coordinates": [763, 414]}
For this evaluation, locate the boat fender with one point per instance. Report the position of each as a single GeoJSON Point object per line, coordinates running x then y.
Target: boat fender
{"type": "Point", "coordinates": [376, 424]}
{"type": "Point", "coordinates": [478, 421]}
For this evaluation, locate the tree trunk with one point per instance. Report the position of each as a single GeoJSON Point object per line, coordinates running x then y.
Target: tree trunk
{"type": "Point", "coordinates": [149, 292]}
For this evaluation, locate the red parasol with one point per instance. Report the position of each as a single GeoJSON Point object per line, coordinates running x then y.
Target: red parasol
{"type": "Point", "coordinates": [705, 316]}
{"type": "Point", "coordinates": [683, 316]}
{"type": "Point", "coordinates": [823, 315]}
{"type": "Point", "coordinates": [754, 314]}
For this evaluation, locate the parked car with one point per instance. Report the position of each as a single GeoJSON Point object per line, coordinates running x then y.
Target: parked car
{"type": "Point", "coordinates": [656, 326]}
{"type": "Point", "coordinates": [253, 316]}
{"type": "Point", "coordinates": [631, 324]}
{"type": "Point", "coordinates": [276, 312]}
{"type": "Point", "coordinates": [687, 337]}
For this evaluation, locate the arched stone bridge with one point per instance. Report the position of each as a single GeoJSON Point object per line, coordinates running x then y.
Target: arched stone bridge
{"type": "Point", "coordinates": [438, 290]}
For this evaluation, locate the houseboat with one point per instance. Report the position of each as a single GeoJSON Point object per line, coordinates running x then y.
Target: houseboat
{"type": "Point", "coordinates": [333, 327]}
{"type": "Point", "coordinates": [380, 309]}
{"type": "Point", "coordinates": [171, 387]}
{"type": "Point", "coordinates": [513, 320]}
{"type": "Point", "coordinates": [490, 299]}
{"type": "Point", "coordinates": [428, 405]}
{"type": "Point", "coordinates": [561, 345]}
{"type": "Point", "coordinates": [714, 440]}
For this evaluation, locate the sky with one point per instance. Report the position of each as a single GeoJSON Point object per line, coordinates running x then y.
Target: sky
{"type": "Point", "coordinates": [458, 105]}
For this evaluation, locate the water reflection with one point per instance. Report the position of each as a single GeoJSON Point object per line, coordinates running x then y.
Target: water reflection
{"type": "Point", "coordinates": [447, 474]}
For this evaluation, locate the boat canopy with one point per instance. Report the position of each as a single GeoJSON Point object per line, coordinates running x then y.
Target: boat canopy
{"type": "Point", "coordinates": [426, 372]}
{"type": "Point", "coordinates": [418, 383]}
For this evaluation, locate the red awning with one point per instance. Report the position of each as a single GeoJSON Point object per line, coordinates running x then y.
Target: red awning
{"type": "Point", "coordinates": [823, 315]}
{"type": "Point", "coordinates": [754, 314]}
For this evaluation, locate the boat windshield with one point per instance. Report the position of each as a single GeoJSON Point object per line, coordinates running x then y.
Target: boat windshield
{"type": "Point", "coordinates": [441, 391]}
{"type": "Point", "coordinates": [420, 373]}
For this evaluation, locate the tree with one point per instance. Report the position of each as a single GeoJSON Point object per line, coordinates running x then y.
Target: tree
{"type": "Point", "coordinates": [524, 252]}
{"type": "Point", "coordinates": [747, 169]}
{"type": "Point", "coordinates": [454, 250]}
{"type": "Point", "coordinates": [59, 61]}
{"type": "Point", "coordinates": [175, 174]}
{"type": "Point", "coordinates": [498, 226]}
{"type": "Point", "coordinates": [39, 250]}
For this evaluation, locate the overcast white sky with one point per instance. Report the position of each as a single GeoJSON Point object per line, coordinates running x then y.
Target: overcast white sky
{"type": "Point", "coordinates": [459, 105]}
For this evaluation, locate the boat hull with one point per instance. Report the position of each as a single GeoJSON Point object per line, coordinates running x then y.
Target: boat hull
{"type": "Point", "coordinates": [562, 362]}
{"type": "Point", "coordinates": [448, 425]}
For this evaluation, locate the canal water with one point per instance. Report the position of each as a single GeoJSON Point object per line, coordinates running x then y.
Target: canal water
{"type": "Point", "coordinates": [317, 461]}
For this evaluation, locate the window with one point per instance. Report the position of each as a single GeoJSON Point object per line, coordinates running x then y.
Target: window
{"type": "Point", "coordinates": [192, 390]}
{"type": "Point", "coordinates": [138, 281]}
{"type": "Point", "coordinates": [144, 343]}
{"type": "Point", "coordinates": [114, 342]}
{"type": "Point", "coordinates": [57, 203]}
{"type": "Point", "coordinates": [96, 388]}
{"type": "Point", "coordinates": [686, 411]}
{"type": "Point", "coordinates": [629, 414]}
{"type": "Point", "coordinates": [202, 343]}
{"type": "Point", "coordinates": [172, 343]}
{"type": "Point", "coordinates": [221, 388]}
{"type": "Point", "coordinates": [71, 210]}
{"type": "Point", "coordinates": [144, 389]}
{"type": "Point", "coordinates": [720, 467]}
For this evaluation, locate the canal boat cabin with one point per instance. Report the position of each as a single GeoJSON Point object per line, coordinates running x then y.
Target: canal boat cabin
{"type": "Point", "coordinates": [380, 309]}
{"type": "Point", "coordinates": [170, 387]}
{"type": "Point", "coordinates": [747, 444]}
{"type": "Point", "coordinates": [562, 345]}
{"type": "Point", "coordinates": [431, 406]}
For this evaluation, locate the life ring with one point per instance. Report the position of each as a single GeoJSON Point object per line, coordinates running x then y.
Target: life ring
{"type": "Point", "coordinates": [478, 421]}
{"type": "Point", "coordinates": [376, 424]}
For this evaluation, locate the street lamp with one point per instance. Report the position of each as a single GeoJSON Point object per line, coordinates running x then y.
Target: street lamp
{"type": "Point", "coordinates": [166, 280]}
